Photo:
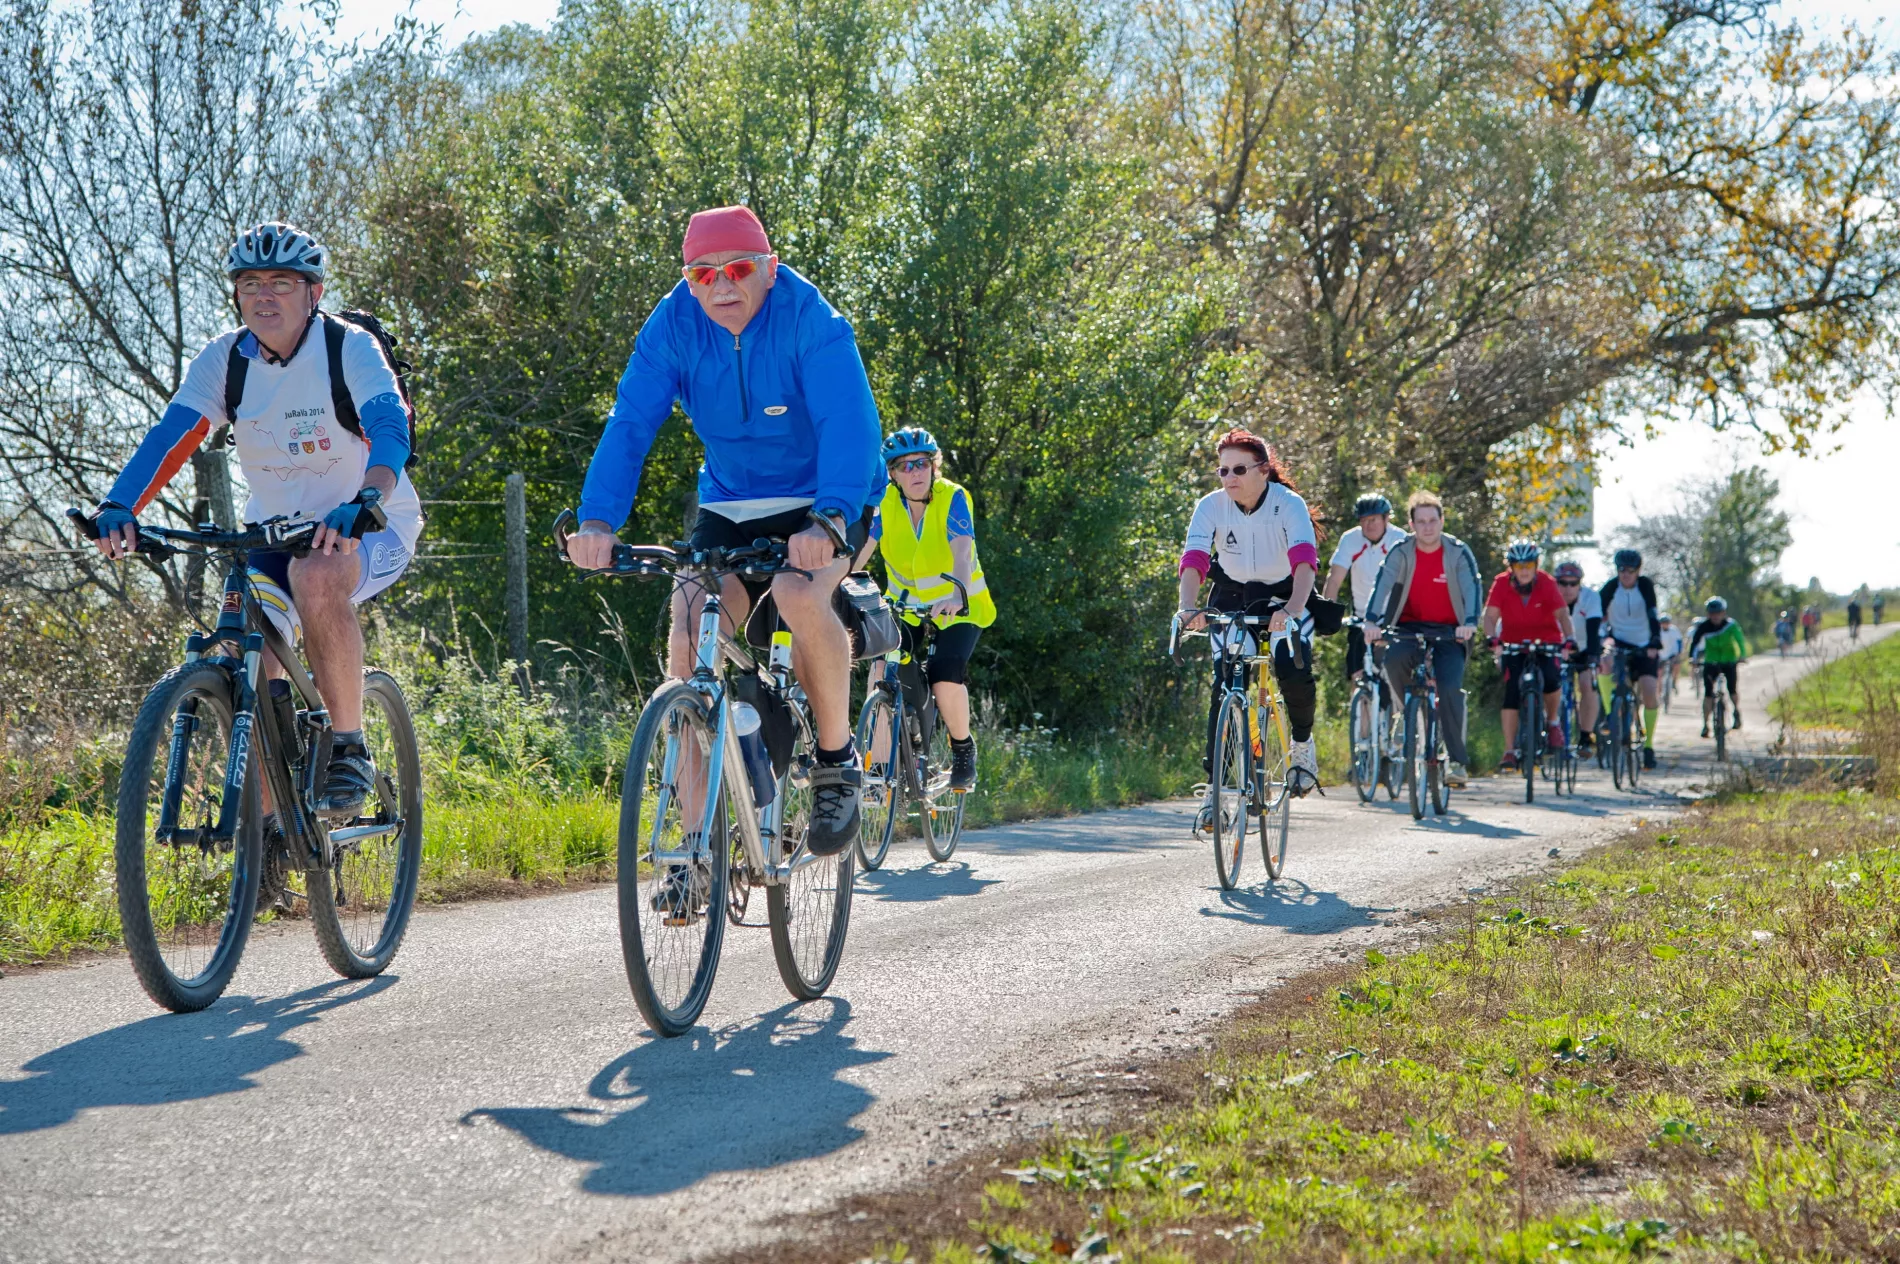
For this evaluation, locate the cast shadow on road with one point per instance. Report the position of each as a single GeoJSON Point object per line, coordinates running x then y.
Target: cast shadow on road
{"type": "Point", "coordinates": [170, 1057]}
{"type": "Point", "coordinates": [1119, 830]}
{"type": "Point", "coordinates": [1295, 908]}
{"type": "Point", "coordinates": [942, 881]}
{"type": "Point", "coordinates": [747, 1097]}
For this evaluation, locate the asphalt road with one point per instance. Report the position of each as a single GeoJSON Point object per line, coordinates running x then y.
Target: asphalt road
{"type": "Point", "coordinates": [496, 1098]}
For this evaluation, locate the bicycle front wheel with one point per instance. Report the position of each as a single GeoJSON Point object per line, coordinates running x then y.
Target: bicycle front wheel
{"type": "Point", "coordinates": [1435, 769]}
{"type": "Point", "coordinates": [1363, 737]}
{"type": "Point", "coordinates": [672, 864]}
{"type": "Point", "coordinates": [360, 908]}
{"type": "Point", "coordinates": [1721, 727]}
{"type": "Point", "coordinates": [1416, 759]}
{"type": "Point", "coordinates": [883, 790]}
{"type": "Point", "coordinates": [186, 903]}
{"type": "Point", "coordinates": [810, 910]}
{"type": "Point", "coordinates": [1229, 789]}
{"type": "Point", "coordinates": [1530, 720]}
{"type": "Point", "coordinates": [1619, 739]}
{"type": "Point", "coordinates": [941, 811]}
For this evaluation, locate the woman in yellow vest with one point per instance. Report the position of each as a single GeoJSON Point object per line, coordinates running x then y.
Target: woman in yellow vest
{"type": "Point", "coordinates": [926, 529]}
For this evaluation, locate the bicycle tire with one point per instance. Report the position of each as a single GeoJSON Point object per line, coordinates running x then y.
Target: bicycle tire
{"type": "Point", "coordinates": [1721, 727]}
{"type": "Point", "coordinates": [1229, 789]}
{"type": "Point", "coordinates": [1415, 761]}
{"type": "Point", "coordinates": [1363, 741]}
{"type": "Point", "coordinates": [167, 894]}
{"type": "Point", "coordinates": [810, 911]}
{"type": "Point", "coordinates": [1529, 720]}
{"type": "Point", "coordinates": [1619, 738]}
{"type": "Point", "coordinates": [376, 875]}
{"type": "Point", "coordinates": [671, 957]}
{"type": "Point", "coordinates": [877, 825]}
{"type": "Point", "coordinates": [1390, 765]}
{"type": "Point", "coordinates": [1274, 768]}
{"type": "Point", "coordinates": [940, 811]}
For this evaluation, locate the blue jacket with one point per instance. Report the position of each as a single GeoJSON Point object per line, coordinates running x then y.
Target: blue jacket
{"type": "Point", "coordinates": [783, 409]}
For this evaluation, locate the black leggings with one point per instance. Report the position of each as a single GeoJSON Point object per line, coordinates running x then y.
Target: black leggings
{"type": "Point", "coordinates": [1297, 686]}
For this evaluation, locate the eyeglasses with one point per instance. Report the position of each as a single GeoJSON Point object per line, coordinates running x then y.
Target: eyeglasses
{"type": "Point", "coordinates": [736, 271]}
{"type": "Point", "coordinates": [1237, 470]}
{"type": "Point", "coordinates": [251, 287]}
{"type": "Point", "coordinates": [914, 464]}
{"type": "Point", "coordinates": [1570, 583]}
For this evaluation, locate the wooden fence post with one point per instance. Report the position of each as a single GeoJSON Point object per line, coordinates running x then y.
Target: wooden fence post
{"type": "Point", "coordinates": [517, 524]}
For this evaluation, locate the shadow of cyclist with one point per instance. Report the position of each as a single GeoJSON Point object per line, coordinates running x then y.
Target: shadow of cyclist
{"type": "Point", "coordinates": [170, 1057]}
{"type": "Point", "coordinates": [1295, 908]}
{"type": "Point", "coordinates": [941, 881]}
{"type": "Point", "coordinates": [671, 1112]}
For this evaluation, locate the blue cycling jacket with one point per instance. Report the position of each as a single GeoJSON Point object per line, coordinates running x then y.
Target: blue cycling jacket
{"type": "Point", "coordinates": [783, 408]}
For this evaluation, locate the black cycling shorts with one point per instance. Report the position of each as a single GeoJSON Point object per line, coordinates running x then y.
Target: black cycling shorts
{"type": "Point", "coordinates": [1513, 666]}
{"type": "Point", "coordinates": [715, 531]}
{"type": "Point", "coordinates": [1712, 672]}
{"type": "Point", "coordinates": [948, 659]}
{"type": "Point", "coordinates": [1640, 663]}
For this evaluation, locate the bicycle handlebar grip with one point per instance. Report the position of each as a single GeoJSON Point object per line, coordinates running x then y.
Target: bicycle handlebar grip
{"type": "Point", "coordinates": [86, 526]}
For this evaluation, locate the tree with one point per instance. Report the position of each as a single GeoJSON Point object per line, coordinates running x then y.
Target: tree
{"type": "Point", "coordinates": [1726, 539]}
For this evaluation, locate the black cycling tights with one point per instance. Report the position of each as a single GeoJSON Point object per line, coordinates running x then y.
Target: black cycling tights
{"type": "Point", "coordinates": [1297, 688]}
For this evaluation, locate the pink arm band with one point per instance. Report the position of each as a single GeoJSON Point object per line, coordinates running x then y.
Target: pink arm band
{"type": "Point", "coordinates": [1303, 553]}
{"type": "Point", "coordinates": [1195, 560]}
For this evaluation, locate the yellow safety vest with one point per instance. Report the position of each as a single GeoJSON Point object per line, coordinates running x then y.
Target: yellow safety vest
{"type": "Point", "coordinates": [920, 563]}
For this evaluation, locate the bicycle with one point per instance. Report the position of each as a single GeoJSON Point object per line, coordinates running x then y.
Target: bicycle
{"type": "Point", "coordinates": [1561, 766]}
{"type": "Point", "coordinates": [1424, 746]}
{"type": "Point", "coordinates": [676, 883]}
{"type": "Point", "coordinates": [1250, 759]}
{"type": "Point", "coordinates": [1371, 733]}
{"type": "Point", "coordinates": [189, 875]}
{"type": "Point", "coordinates": [1625, 756]}
{"type": "Point", "coordinates": [1531, 746]}
{"type": "Point", "coordinates": [917, 763]}
{"type": "Point", "coordinates": [1668, 684]}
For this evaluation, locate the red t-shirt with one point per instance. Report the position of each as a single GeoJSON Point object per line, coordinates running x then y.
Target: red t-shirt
{"type": "Point", "coordinates": [1528, 616]}
{"type": "Point", "coordinates": [1430, 598]}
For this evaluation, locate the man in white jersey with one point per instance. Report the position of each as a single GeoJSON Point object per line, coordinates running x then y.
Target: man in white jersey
{"type": "Point", "coordinates": [1632, 625]}
{"type": "Point", "coordinates": [1360, 554]}
{"type": "Point", "coordinates": [302, 460]}
{"type": "Point", "coordinates": [1586, 616]}
{"type": "Point", "coordinates": [1254, 540]}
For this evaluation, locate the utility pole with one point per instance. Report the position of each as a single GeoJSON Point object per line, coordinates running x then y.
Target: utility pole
{"type": "Point", "coordinates": [517, 524]}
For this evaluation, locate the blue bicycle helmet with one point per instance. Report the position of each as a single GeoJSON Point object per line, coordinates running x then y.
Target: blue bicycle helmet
{"type": "Point", "coordinates": [1523, 551]}
{"type": "Point", "coordinates": [1628, 559]}
{"type": "Point", "coordinates": [1715, 605]}
{"type": "Point", "coordinates": [1366, 506]}
{"type": "Point", "coordinates": [909, 441]}
{"type": "Point", "coordinates": [276, 246]}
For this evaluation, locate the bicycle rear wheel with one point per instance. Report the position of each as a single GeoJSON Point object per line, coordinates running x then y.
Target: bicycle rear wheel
{"type": "Point", "coordinates": [940, 810]}
{"type": "Point", "coordinates": [186, 905]}
{"type": "Point", "coordinates": [1363, 739]}
{"type": "Point", "coordinates": [672, 880]}
{"type": "Point", "coordinates": [360, 908]}
{"type": "Point", "coordinates": [1416, 759]}
{"type": "Point", "coordinates": [1530, 719]}
{"type": "Point", "coordinates": [1229, 790]}
{"type": "Point", "coordinates": [1276, 801]}
{"type": "Point", "coordinates": [809, 911]}
{"type": "Point", "coordinates": [883, 792]}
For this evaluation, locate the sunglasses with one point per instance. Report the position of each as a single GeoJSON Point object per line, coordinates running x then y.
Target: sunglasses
{"type": "Point", "coordinates": [736, 271]}
{"type": "Point", "coordinates": [251, 287]}
{"type": "Point", "coordinates": [1237, 470]}
{"type": "Point", "coordinates": [1569, 583]}
{"type": "Point", "coordinates": [912, 465]}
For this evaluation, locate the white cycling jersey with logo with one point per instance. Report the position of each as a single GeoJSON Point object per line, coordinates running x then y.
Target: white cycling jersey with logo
{"type": "Point", "coordinates": [1363, 559]}
{"type": "Point", "coordinates": [1671, 643]}
{"type": "Point", "coordinates": [1253, 548]}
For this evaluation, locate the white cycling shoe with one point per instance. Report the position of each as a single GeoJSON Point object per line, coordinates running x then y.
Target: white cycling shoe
{"type": "Point", "coordinates": [1302, 767]}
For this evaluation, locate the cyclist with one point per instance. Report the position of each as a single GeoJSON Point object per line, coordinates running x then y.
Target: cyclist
{"type": "Point", "coordinates": [1254, 541]}
{"type": "Point", "coordinates": [1671, 646]}
{"type": "Point", "coordinates": [1853, 617]}
{"type": "Point", "coordinates": [1586, 608]}
{"type": "Point", "coordinates": [1719, 641]}
{"type": "Point", "coordinates": [1429, 584]}
{"type": "Point", "coordinates": [1630, 622]}
{"type": "Point", "coordinates": [1525, 605]}
{"type": "Point", "coordinates": [1810, 623]}
{"type": "Point", "coordinates": [299, 461]}
{"type": "Point", "coordinates": [1784, 631]}
{"type": "Point", "coordinates": [770, 375]}
{"type": "Point", "coordinates": [1880, 608]}
{"type": "Point", "coordinates": [927, 531]}
{"type": "Point", "coordinates": [1360, 554]}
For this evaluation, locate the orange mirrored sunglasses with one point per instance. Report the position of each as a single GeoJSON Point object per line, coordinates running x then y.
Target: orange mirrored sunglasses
{"type": "Point", "coordinates": [736, 271]}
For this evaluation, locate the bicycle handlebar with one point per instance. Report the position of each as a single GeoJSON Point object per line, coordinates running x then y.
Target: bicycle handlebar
{"type": "Point", "coordinates": [287, 535]}
{"type": "Point", "coordinates": [1176, 632]}
{"type": "Point", "coordinates": [763, 557]}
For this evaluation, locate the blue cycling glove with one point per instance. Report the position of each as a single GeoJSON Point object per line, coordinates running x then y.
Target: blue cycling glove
{"type": "Point", "coordinates": [113, 517]}
{"type": "Point", "coordinates": [356, 518]}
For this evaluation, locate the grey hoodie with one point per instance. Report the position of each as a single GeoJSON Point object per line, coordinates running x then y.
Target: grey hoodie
{"type": "Point", "coordinates": [1395, 581]}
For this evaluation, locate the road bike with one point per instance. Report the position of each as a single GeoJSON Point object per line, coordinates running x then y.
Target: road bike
{"type": "Point", "coordinates": [1424, 747]}
{"type": "Point", "coordinates": [190, 846]}
{"type": "Point", "coordinates": [1625, 754]}
{"type": "Point", "coordinates": [708, 814]}
{"type": "Point", "coordinates": [1372, 732]}
{"type": "Point", "coordinates": [1532, 748]}
{"type": "Point", "coordinates": [1250, 758]}
{"type": "Point", "coordinates": [913, 761]}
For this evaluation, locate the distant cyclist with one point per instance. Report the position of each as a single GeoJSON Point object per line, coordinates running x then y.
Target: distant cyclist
{"type": "Point", "coordinates": [1671, 646]}
{"type": "Point", "coordinates": [1631, 622]}
{"type": "Point", "coordinates": [926, 529]}
{"type": "Point", "coordinates": [770, 375]}
{"type": "Point", "coordinates": [1853, 618]}
{"type": "Point", "coordinates": [1361, 552]}
{"type": "Point", "coordinates": [1721, 646]}
{"type": "Point", "coordinates": [1429, 585]}
{"type": "Point", "coordinates": [1586, 616]}
{"type": "Point", "coordinates": [1784, 632]}
{"type": "Point", "coordinates": [1880, 607]}
{"type": "Point", "coordinates": [1526, 606]}
{"type": "Point", "coordinates": [1254, 541]}
{"type": "Point", "coordinates": [301, 459]}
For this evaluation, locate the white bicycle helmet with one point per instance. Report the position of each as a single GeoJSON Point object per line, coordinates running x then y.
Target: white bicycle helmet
{"type": "Point", "coordinates": [276, 246]}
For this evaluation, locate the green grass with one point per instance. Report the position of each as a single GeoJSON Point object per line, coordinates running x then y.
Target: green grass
{"type": "Point", "coordinates": [1684, 1045]}
{"type": "Point", "coordinates": [1840, 694]}
{"type": "Point", "coordinates": [1027, 773]}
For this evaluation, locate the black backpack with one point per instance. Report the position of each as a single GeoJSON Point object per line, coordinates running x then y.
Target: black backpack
{"type": "Point", "coordinates": [238, 364]}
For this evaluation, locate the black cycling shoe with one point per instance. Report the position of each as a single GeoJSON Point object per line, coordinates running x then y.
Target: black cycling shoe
{"type": "Point", "coordinates": [962, 765]}
{"type": "Point", "coordinates": [1649, 758]}
{"type": "Point", "coordinates": [834, 808]}
{"type": "Point", "coordinates": [352, 777]}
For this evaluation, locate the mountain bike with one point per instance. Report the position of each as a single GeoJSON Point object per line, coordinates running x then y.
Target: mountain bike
{"type": "Point", "coordinates": [706, 816]}
{"type": "Point", "coordinates": [1372, 732]}
{"type": "Point", "coordinates": [914, 759]}
{"type": "Point", "coordinates": [1625, 755]}
{"type": "Point", "coordinates": [190, 849]}
{"type": "Point", "coordinates": [1250, 759]}
{"type": "Point", "coordinates": [1531, 745]}
{"type": "Point", "coordinates": [1424, 748]}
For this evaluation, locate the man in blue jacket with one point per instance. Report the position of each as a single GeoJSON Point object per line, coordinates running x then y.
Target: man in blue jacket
{"type": "Point", "coordinates": [770, 377]}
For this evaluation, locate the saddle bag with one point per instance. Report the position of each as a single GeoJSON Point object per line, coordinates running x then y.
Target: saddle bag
{"type": "Point", "coordinates": [867, 616]}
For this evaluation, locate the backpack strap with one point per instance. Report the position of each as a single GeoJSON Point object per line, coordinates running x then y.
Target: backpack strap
{"type": "Point", "coordinates": [339, 389]}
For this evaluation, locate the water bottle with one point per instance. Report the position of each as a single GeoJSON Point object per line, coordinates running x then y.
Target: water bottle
{"type": "Point", "coordinates": [758, 763]}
